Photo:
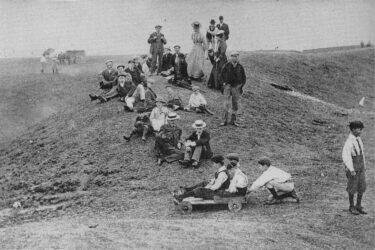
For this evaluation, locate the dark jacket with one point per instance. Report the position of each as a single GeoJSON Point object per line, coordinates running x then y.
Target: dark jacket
{"type": "Point", "coordinates": [156, 44]}
{"type": "Point", "coordinates": [221, 50]}
{"type": "Point", "coordinates": [166, 62]}
{"type": "Point", "coordinates": [224, 27]}
{"type": "Point", "coordinates": [234, 76]}
{"type": "Point", "coordinates": [109, 76]}
{"type": "Point", "coordinates": [204, 141]}
{"type": "Point", "coordinates": [180, 71]}
{"type": "Point", "coordinates": [123, 91]}
{"type": "Point", "coordinates": [136, 75]}
{"type": "Point", "coordinates": [173, 60]}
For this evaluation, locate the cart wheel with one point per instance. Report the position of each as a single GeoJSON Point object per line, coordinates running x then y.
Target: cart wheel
{"type": "Point", "coordinates": [234, 206]}
{"type": "Point", "coordinates": [185, 207]}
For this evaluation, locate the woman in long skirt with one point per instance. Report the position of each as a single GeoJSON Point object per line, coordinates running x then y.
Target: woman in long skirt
{"type": "Point", "coordinates": [196, 57]}
{"type": "Point", "coordinates": [218, 60]}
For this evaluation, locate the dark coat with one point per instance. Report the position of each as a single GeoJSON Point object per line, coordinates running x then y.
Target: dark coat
{"type": "Point", "coordinates": [224, 27]}
{"type": "Point", "coordinates": [166, 62]}
{"type": "Point", "coordinates": [123, 91]}
{"type": "Point", "coordinates": [203, 141]}
{"type": "Point", "coordinates": [180, 71]}
{"type": "Point", "coordinates": [136, 75]}
{"type": "Point", "coordinates": [215, 80]}
{"type": "Point", "coordinates": [234, 76]}
{"type": "Point", "coordinates": [109, 76]}
{"type": "Point", "coordinates": [156, 44]}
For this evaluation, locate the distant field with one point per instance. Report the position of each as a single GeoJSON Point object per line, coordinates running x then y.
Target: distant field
{"type": "Point", "coordinates": [84, 169]}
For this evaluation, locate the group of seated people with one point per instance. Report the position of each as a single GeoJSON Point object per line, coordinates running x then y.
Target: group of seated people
{"type": "Point", "coordinates": [230, 181]}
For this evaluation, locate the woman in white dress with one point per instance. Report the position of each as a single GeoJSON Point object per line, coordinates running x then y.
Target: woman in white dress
{"type": "Point", "coordinates": [158, 114]}
{"type": "Point", "coordinates": [196, 57]}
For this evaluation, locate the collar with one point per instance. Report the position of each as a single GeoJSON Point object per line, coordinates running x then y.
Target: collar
{"type": "Point", "coordinates": [353, 137]}
{"type": "Point", "coordinates": [222, 168]}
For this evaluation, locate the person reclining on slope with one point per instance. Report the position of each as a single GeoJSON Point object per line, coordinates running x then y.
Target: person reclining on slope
{"type": "Point", "coordinates": [208, 189]}
{"type": "Point", "coordinates": [124, 85]}
{"type": "Point", "coordinates": [159, 114]}
{"type": "Point", "coordinates": [168, 141]}
{"type": "Point", "coordinates": [108, 76]}
{"type": "Point", "coordinates": [142, 126]}
{"type": "Point", "coordinates": [181, 77]}
{"type": "Point", "coordinates": [197, 146]}
{"type": "Point", "coordinates": [136, 96]}
{"type": "Point", "coordinates": [276, 181]}
{"type": "Point", "coordinates": [174, 99]}
{"type": "Point", "coordinates": [197, 102]}
{"type": "Point", "coordinates": [135, 73]}
{"type": "Point", "coordinates": [149, 102]}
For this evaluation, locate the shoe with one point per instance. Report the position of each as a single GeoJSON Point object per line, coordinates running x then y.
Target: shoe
{"type": "Point", "coordinates": [195, 164]}
{"type": "Point", "coordinates": [126, 137]}
{"type": "Point", "coordinates": [360, 210]}
{"type": "Point", "coordinates": [223, 124]}
{"type": "Point", "coordinates": [93, 97]}
{"type": "Point", "coordinates": [102, 99]}
{"type": "Point", "coordinates": [294, 195]}
{"type": "Point", "coordinates": [184, 162]}
{"type": "Point", "coordinates": [178, 198]}
{"type": "Point", "coordinates": [160, 161]}
{"type": "Point", "coordinates": [353, 210]}
{"type": "Point", "coordinates": [143, 138]}
{"type": "Point", "coordinates": [126, 108]}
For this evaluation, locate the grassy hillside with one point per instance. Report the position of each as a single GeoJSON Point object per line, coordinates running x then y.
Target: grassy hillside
{"type": "Point", "coordinates": [78, 159]}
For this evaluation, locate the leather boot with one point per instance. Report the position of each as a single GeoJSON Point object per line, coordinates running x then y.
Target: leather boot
{"type": "Point", "coordinates": [233, 120]}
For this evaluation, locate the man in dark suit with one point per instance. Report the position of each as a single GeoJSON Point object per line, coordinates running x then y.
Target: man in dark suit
{"type": "Point", "coordinates": [223, 26]}
{"type": "Point", "coordinates": [156, 41]}
{"type": "Point", "coordinates": [174, 58]}
{"type": "Point", "coordinates": [197, 145]}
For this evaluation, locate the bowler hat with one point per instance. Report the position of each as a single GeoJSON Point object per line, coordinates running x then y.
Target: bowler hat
{"type": "Point", "coordinates": [199, 124]}
{"type": "Point", "coordinates": [108, 61]}
{"type": "Point", "coordinates": [234, 53]}
{"type": "Point", "coordinates": [158, 26]}
{"type": "Point", "coordinates": [196, 24]}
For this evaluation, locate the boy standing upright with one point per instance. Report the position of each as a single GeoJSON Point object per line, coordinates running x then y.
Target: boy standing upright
{"type": "Point", "coordinates": [354, 161]}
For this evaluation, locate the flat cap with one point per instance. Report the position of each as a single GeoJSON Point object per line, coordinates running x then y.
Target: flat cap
{"type": "Point", "coordinates": [356, 124]}
{"type": "Point", "coordinates": [234, 53]}
{"type": "Point", "coordinates": [233, 157]}
{"type": "Point", "coordinates": [218, 159]}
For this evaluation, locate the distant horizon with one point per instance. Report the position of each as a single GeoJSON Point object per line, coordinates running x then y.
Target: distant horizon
{"type": "Point", "coordinates": [268, 50]}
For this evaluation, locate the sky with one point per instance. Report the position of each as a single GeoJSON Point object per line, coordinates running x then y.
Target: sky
{"type": "Point", "coordinates": [112, 27]}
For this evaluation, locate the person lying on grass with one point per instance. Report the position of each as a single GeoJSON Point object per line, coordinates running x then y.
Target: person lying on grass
{"type": "Point", "coordinates": [168, 141]}
{"type": "Point", "coordinates": [277, 181]}
{"type": "Point", "coordinates": [174, 99]}
{"type": "Point", "coordinates": [142, 126]}
{"type": "Point", "coordinates": [197, 102]}
{"type": "Point", "coordinates": [123, 87]}
{"type": "Point", "coordinates": [159, 114]}
{"type": "Point", "coordinates": [197, 146]}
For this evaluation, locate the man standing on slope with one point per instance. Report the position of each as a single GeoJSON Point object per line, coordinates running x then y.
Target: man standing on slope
{"type": "Point", "coordinates": [234, 78]}
{"type": "Point", "coordinates": [156, 41]}
{"type": "Point", "coordinates": [354, 161]}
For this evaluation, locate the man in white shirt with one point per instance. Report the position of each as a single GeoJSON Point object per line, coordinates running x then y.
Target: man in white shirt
{"type": "Point", "coordinates": [207, 190]}
{"type": "Point", "coordinates": [277, 181]}
{"type": "Point", "coordinates": [354, 161]}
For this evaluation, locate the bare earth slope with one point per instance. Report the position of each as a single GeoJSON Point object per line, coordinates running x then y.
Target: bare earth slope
{"type": "Point", "coordinates": [73, 169]}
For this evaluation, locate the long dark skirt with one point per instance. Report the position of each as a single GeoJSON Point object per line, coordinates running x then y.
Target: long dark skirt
{"type": "Point", "coordinates": [215, 82]}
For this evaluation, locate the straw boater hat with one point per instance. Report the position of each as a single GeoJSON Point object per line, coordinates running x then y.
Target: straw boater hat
{"type": "Point", "coordinates": [108, 61]}
{"type": "Point", "coordinates": [196, 24]}
{"type": "Point", "coordinates": [195, 88]}
{"type": "Point", "coordinates": [173, 116]}
{"type": "Point", "coordinates": [119, 66]}
{"type": "Point", "coordinates": [159, 99]}
{"type": "Point", "coordinates": [199, 124]}
{"type": "Point", "coordinates": [177, 46]}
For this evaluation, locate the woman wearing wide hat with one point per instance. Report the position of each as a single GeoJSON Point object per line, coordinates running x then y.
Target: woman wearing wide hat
{"type": "Point", "coordinates": [211, 35]}
{"type": "Point", "coordinates": [197, 145]}
{"type": "Point", "coordinates": [168, 141]}
{"type": "Point", "coordinates": [196, 57]}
